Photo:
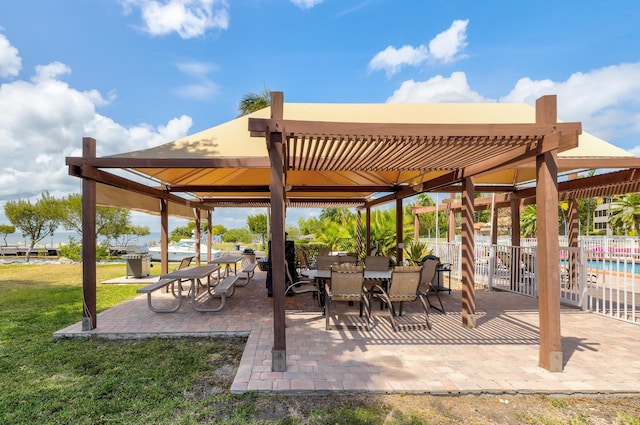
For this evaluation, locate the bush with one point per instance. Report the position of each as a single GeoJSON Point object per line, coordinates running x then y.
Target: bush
{"type": "Point", "coordinates": [73, 250]}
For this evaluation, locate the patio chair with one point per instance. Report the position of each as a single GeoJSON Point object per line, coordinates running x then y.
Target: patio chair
{"type": "Point", "coordinates": [324, 250]}
{"type": "Point", "coordinates": [348, 259]}
{"type": "Point", "coordinates": [300, 286]}
{"type": "Point", "coordinates": [326, 261]}
{"type": "Point", "coordinates": [403, 288]}
{"type": "Point", "coordinates": [302, 260]}
{"type": "Point", "coordinates": [426, 288]}
{"type": "Point", "coordinates": [376, 263]}
{"type": "Point", "coordinates": [184, 263]}
{"type": "Point", "coordinates": [346, 285]}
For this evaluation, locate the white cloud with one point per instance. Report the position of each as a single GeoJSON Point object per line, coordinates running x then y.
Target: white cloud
{"type": "Point", "coordinates": [189, 18]}
{"type": "Point", "coordinates": [445, 47]}
{"type": "Point", "coordinates": [197, 69]}
{"type": "Point", "coordinates": [437, 89]}
{"type": "Point", "coordinates": [604, 99]}
{"type": "Point", "coordinates": [44, 120]}
{"type": "Point", "coordinates": [204, 89]}
{"type": "Point", "coordinates": [306, 4]}
{"type": "Point", "coordinates": [392, 60]}
{"type": "Point", "coordinates": [10, 60]}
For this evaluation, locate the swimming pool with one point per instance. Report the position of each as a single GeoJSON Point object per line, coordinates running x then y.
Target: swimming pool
{"type": "Point", "coordinates": [612, 265]}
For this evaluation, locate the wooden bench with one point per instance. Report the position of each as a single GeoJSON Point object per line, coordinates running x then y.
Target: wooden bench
{"type": "Point", "coordinates": [223, 290]}
{"type": "Point", "coordinates": [249, 270]}
{"type": "Point", "coordinates": [162, 283]}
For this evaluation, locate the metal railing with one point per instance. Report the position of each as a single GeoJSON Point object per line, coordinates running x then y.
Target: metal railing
{"type": "Point", "coordinates": [603, 280]}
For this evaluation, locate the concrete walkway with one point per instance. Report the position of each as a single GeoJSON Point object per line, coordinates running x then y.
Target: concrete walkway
{"type": "Point", "coordinates": [601, 355]}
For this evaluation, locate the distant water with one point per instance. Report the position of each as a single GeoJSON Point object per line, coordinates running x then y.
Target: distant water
{"type": "Point", "coordinates": [64, 237]}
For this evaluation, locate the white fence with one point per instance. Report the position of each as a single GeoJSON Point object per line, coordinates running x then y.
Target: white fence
{"type": "Point", "coordinates": [603, 279]}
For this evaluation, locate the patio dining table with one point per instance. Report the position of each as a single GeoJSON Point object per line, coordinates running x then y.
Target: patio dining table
{"type": "Point", "coordinates": [322, 275]}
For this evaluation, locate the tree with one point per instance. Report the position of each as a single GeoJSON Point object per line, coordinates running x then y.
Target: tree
{"type": "Point", "coordinates": [338, 215]}
{"type": "Point", "coordinates": [182, 232]}
{"type": "Point", "coordinates": [332, 234]}
{"type": "Point", "coordinates": [236, 235]}
{"type": "Point", "coordinates": [252, 102]}
{"type": "Point", "coordinates": [529, 222]}
{"type": "Point", "coordinates": [626, 212]}
{"type": "Point", "coordinates": [218, 229]}
{"type": "Point", "coordinates": [5, 230]}
{"type": "Point", "coordinates": [111, 222]}
{"type": "Point", "coordinates": [309, 226]}
{"type": "Point", "coordinates": [258, 225]}
{"type": "Point", "coordinates": [36, 221]}
{"type": "Point", "coordinates": [131, 232]}
{"type": "Point", "coordinates": [428, 220]}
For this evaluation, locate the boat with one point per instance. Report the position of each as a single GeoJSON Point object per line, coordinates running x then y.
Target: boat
{"type": "Point", "coordinates": [181, 249]}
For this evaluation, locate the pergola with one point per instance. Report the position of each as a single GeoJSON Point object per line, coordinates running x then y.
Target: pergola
{"type": "Point", "coordinates": [359, 156]}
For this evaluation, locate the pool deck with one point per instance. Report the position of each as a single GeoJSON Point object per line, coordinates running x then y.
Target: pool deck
{"type": "Point", "coordinates": [601, 355]}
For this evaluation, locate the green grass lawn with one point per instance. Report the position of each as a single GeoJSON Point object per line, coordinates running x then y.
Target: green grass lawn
{"type": "Point", "coordinates": [187, 380]}
{"type": "Point", "coordinates": [89, 381]}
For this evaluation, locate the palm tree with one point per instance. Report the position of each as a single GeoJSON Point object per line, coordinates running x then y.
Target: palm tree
{"type": "Point", "coordinates": [528, 222]}
{"type": "Point", "coordinates": [252, 102]}
{"type": "Point", "coordinates": [626, 213]}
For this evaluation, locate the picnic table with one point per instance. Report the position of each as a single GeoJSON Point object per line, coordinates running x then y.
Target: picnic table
{"type": "Point", "coordinates": [227, 261]}
{"type": "Point", "coordinates": [195, 275]}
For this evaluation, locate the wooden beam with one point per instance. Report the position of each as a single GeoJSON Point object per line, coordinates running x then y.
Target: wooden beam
{"type": "Point", "coordinates": [199, 162]}
{"type": "Point", "coordinates": [596, 163]}
{"type": "Point", "coordinates": [123, 183]}
{"type": "Point", "coordinates": [89, 310]}
{"type": "Point", "coordinates": [217, 188]}
{"type": "Point", "coordinates": [517, 155]}
{"type": "Point", "coordinates": [396, 130]}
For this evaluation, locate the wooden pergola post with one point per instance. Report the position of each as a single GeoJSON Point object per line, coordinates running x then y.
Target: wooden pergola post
{"type": "Point", "coordinates": [359, 233]}
{"type": "Point", "coordinates": [572, 218]}
{"type": "Point", "coordinates": [197, 234]}
{"type": "Point", "coordinates": [277, 253]}
{"type": "Point", "coordinates": [550, 354]}
{"type": "Point", "coordinates": [89, 309]}
{"type": "Point", "coordinates": [468, 257]}
{"type": "Point", "coordinates": [399, 232]}
{"type": "Point", "coordinates": [416, 225]}
{"type": "Point", "coordinates": [451, 220]}
{"type": "Point", "coordinates": [164, 236]}
{"type": "Point", "coordinates": [368, 224]}
{"type": "Point", "coordinates": [494, 221]}
{"type": "Point", "coordinates": [209, 236]}
{"type": "Point", "coordinates": [515, 222]}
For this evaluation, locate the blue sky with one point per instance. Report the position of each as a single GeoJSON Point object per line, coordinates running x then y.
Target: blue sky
{"type": "Point", "coordinates": [138, 73]}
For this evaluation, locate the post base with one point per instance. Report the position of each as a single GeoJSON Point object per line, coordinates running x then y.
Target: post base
{"type": "Point", "coordinates": [278, 361]}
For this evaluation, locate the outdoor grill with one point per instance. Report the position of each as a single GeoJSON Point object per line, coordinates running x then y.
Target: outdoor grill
{"type": "Point", "coordinates": [138, 261]}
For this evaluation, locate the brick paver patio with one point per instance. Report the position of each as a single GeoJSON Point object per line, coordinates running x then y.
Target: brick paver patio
{"type": "Point", "coordinates": [601, 355]}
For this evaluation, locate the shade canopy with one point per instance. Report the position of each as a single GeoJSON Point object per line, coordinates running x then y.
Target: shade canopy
{"type": "Point", "coordinates": [353, 155]}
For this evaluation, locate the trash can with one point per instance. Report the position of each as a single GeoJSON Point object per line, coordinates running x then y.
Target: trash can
{"type": "Point", "coordinates": [248, 256]}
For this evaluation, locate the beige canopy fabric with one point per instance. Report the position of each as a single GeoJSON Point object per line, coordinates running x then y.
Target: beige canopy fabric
{"type": "Point", "coordinates": [232, 146]}
{"type": "Point", "coordinates": [116, 197]}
